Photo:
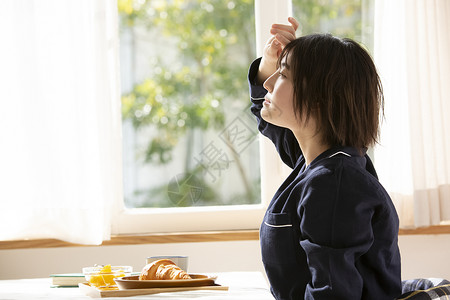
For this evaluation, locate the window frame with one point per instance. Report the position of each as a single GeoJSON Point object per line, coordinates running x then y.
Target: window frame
{"type": "Point", "coordinates": [235, 217]}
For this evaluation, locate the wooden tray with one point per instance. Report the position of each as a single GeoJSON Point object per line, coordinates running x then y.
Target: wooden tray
{"type": "Point", "coordinates": [95, 293]}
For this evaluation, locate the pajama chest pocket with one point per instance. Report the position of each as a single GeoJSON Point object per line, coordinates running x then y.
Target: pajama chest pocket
{"type": "Point", "coordinates": [277, 238]}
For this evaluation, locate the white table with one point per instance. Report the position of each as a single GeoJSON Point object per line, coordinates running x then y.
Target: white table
{"type": "Point", "coordinates": [242, 286]}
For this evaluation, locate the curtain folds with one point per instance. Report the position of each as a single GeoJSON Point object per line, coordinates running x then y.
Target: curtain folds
{"type": "Point", "coordinates": [61, 126]}
{"type": "Point", "coordinates": [412, 52]}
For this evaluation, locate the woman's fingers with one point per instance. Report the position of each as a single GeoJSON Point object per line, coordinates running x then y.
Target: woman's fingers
{"type": "Point", "coordinates": [288, 28]}
{"type": "Point", "coordinates": [283, 28]}
{"type": "Point", "coordinates": [283, 40]}
{"type": "Point", "coordinates": [294, 23]}
{"type": "Point", "coordinates": [282, 36]}
{"type": "Point", "coordinates": [285, 33]}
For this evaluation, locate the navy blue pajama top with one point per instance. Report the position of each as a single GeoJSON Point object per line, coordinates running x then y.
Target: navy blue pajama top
{"type": "Point", "coordinates": [330, 231]}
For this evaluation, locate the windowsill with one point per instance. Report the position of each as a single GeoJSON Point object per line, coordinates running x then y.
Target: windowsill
{"type": "Point", "coordinates": [154, 238]}
{"type": "Point", "coordinates": [183, 237]}
{"type": "Point", "coordinates": [437, 229]}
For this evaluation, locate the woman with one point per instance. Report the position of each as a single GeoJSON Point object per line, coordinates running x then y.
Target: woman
{"type": "Point", "coordinates": [330, 231]}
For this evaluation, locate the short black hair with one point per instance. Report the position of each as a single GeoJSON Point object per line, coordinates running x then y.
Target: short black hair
{"type": "Point", "coordinates": [336, 81]}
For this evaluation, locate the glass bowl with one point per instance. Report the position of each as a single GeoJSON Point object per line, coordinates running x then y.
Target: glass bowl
{"type": "Point", "coordinates": [103, 276]}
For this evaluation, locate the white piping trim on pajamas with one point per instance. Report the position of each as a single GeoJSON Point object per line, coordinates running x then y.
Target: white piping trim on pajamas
{"type": "Point", "coordinates": [257, 98]}
{"type": "Point", "coordinates": [278, 226]}
{"type": "Point", "coordinates": [339, 152]}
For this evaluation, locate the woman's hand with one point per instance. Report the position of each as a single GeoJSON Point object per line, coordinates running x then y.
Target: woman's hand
{"type": "Point", "coordinates": [281, 36]}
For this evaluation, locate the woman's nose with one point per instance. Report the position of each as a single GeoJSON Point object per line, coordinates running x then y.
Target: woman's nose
{"type": "Point", "coordinates": [268, 84]}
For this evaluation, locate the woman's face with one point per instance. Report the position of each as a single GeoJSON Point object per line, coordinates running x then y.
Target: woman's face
{"type": "Point", "coordinates": [278, 106]}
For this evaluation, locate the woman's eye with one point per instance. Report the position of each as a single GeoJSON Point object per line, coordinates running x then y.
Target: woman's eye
{"type": "Point", "coordinates": [281, 74]}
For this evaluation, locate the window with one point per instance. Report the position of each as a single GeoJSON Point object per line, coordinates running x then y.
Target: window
{"type": "Point", "coordinates": [191, 149]}
{"type": "Point", "coordinates": [188, 134]}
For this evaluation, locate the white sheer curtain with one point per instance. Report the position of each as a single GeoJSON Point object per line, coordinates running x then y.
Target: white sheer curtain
{"type": "Point", "coordinates": [412, 52]}
{"type": "Point", "coordinates": [60, 124]}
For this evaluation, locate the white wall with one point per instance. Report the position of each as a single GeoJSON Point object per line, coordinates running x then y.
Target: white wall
{"type": "Point", "coordinates": [422, 256]}
{"type": "Point", "coordinates": [203, 258]}
{"type": "Point", "coordinates": [425, 256]}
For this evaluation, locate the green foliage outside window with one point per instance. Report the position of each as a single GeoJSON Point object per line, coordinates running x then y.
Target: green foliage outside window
{"type": "Point", "coordinates": [205, 34]}
{"type": "Point", "coordinates": [214, 42]}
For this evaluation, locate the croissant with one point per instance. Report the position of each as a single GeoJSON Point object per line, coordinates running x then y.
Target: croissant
{"type": "Point", "coordinates": [163, 269]}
